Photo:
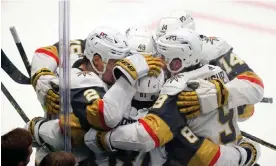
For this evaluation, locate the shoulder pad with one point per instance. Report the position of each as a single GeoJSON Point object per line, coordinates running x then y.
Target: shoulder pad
{"type": "Point", "coordinates": [178, 83]}
{"type": "Point", "coordinates": [83, 79]}
{"type": "Point", "coordinates": [214, 47]}
{"type": "Point", "coordinates": [174, 84]}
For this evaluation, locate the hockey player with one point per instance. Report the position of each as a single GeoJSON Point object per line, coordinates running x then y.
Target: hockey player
{"type": "Point", "coordinates": [91, 105]}
{"type": "Point", "coordinates": [44, 69]}
{"type": "Point", "coordinates": [165, 122]}
{"type": "Point", "coordinates": [148, 88]}
{"type": "Point", "coordinates": [219, 53]}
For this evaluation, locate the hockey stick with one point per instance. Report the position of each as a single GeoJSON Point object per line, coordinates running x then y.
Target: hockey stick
{"type": "Point", "coordinates": [12, 71]}
{"type": "Point", "coordinates": [267, 100]}
{"type": "Point", "coordinates": [23, 55]}
{"type": "Point", "coordinates": [260, 141]}
{"type": "Point", "coordinates": [14, 103]}
{"type": "Point", "coordinates": [21, 50]}
{"type": "Point", "coordinates": [20, 112]}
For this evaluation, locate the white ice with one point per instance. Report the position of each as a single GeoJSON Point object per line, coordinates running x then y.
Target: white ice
{"type": "Point", "coordinates": [37, 25]}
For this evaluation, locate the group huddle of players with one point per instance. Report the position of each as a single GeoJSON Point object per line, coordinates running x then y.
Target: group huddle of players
{"type": "Point", "coordinates": [168, 96]}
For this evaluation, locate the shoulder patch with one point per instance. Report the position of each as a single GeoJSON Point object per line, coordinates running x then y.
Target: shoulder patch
{"type": "Point", "coordinates": [83, 79]}
{"type": "Point", "coordinates": [214, 47]}
{"type": "Point", "coordinates": [210, 39]}
{"type": "Point", "coordinates": [174, 84]}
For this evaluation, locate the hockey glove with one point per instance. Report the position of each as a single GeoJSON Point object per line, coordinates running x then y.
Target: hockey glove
{"type": "Point", "coordinates": [253, 151]}
{"type": "Point", "coordinates": [97, 141]}
{"type": "Point", "coordinates": [137, 66]}
{"type": "Point", "coordinates": [33, 127]}
{"type": "Point", "coordinates": [52, 98]}
{"type": "Point", "coordinates": [245, 112]}
{"type": "Point", "coordinates": [203, 97]}
{"type": "Point", "coordinates": [43, 82]}
{"type": "Point", "coordinates": [93, 140]}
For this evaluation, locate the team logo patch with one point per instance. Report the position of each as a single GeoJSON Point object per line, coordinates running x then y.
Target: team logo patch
{"type": "Point", "coordinates": [210, 39]}
{"type": "Point", "coordinates": [84, 73]}
{"type": "Point", "coordinates": [175, 78]}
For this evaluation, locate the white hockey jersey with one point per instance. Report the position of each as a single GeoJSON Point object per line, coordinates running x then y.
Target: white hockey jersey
{"type": "Point", "coordinates": [163, 123]}
{"type": "Point", "coordinates": [220, 125]}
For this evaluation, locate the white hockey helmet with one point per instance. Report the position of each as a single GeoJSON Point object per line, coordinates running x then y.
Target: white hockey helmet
{"type": "Point", "coordinates": [148, 87]}
{"type": "Point", "coordinates": [186, 19]}
{"type": "Point", "coordinates": [214, 47]}
{"type": "Point", "coordinates": [136, 30]}
{"type": "Point", "coordinates": [167, 24]}
{"type": "Point", "coordinates": [181, 44]}
{"type": "Point", "coordinates": [108, 43]}
{"type": "Point", "coordinates": [141, 41]}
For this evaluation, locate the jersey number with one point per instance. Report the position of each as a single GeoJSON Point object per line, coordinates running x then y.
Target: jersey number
{"type": "Point", "coordinates": [91, 95]}
{"type": "Point", "coordinates": [226, 118]}
{"type": "Point", "coordinates": [189, 135]}
{"type": "Point", "coordinates": [160, 101]}
{"type": "Point", "coordinates": [233, 61]}
{"type": "Point", "coordinates": [75, 47]}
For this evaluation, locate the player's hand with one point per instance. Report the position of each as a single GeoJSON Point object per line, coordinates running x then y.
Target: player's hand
{"type": "Point", "coordinates": [41, 81]}
{"type": "Point", "coordinates": [253, 151]}
{"type": "Point", "coordinates": [137, 66]}
{"type": "Point", "coordinates": [52, 98]}
{"type": "Point", "coordinates": [33, 127]}
{"type": "Point", "coordinates": [202, 97]}
{"type": "Point", "coordinates": [97, 141]}
{"type": "Point", "coordinates": [155, 65]}
{"type": "Point", "coordinates": [245, 112]}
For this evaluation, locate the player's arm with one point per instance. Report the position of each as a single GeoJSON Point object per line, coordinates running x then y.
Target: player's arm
{"type": "Point", "coordinates": [246, 153]}
{"type": "Point", "coordinates": [43, 67]}
{"type": "Point", "coordinates": [93, 106]}
{"type": "Point", "coordinates": [154, 130]}
{"type": "Point", "coordinates": [49, 134]}
{"type": "Point", "coordinates": [245, 87]}
{"type": "Point", "coordinates": [159, 127]}
{"type": "Point", "coordinates": [48, 57]}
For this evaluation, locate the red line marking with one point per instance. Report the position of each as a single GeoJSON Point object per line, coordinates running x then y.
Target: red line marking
{"type": "Point", "coordinates": [250, 26]}
{"type": "Point", "coordinates": [266, 5]}
{"type": "Point", "coordinates": [227, 21]}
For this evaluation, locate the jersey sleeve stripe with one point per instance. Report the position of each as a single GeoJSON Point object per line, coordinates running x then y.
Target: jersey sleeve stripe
{"type": "Point", "coordinates": [252, 77]}
{"type": "Point", "coordinates": [47, 52]}
{"type": "Point", "coordinates": [150, 132]}
{"type": "Point", "coordinates": [207, 155]}
{"type": "Point", "coordinates": [95, 115]}
{"type": "Point", "coordinates": [157, 129]}
{"type": "Point", "coordinates": [101, 112]}
{"type": "Point", "coordinates": [215, 159]}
